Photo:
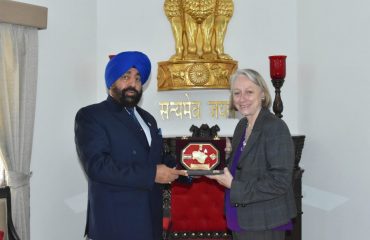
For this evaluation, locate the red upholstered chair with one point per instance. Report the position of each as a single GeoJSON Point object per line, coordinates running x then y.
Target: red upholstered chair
{"type": "Point", "coordinates": [196, 211]}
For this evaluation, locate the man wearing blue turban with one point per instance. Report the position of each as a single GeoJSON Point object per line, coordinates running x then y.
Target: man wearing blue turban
{"type": "Point", "coordinates": [120, 149]}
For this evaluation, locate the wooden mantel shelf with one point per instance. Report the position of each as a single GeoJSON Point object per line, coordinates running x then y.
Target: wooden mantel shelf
{"type": "Point", "coordinates": [23, 14]}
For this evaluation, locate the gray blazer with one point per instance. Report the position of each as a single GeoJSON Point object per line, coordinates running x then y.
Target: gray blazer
{"type": "Point", "coordinates": [262, 187]}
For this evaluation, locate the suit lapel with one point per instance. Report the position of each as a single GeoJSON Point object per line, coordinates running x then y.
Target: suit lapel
{"type": "Point", "coordinates": [123, 116]}
{"type": "Point", "coordinates": [147, 121]}
{"type": "Point", "coordinates": [156, 144]}
{"type": "Point", "coordinates": [254, 137]}
{"type": "Point", "coordinates": [132, 126]}
{"type": "Point", "coordinates": [239, 131]}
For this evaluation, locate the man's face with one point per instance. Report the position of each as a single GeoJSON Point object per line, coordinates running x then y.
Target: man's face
{"type": "Point", "coordinates": [127, 89]}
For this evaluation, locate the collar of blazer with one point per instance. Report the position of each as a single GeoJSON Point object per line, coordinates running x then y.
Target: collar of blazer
{"type": "Point", "coordinates": [256, 132]}
{"type": "Point", "coordinates": [120, 113]}
{"type": "Point", "coordinates": [114, 106]}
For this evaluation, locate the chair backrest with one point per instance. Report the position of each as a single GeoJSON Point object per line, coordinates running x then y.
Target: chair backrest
{"type": "Point", "coordinates": [3, 219]}
{"type": "Point", "coordinates": [198, 207]}
{"type": "Point", "coordinates": [6, 222]}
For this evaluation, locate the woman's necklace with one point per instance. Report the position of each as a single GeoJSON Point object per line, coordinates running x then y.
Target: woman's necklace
{"type": "Point", "coordinates": [248, 132]}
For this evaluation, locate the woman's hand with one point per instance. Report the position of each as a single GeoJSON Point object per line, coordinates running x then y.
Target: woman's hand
{"type": "Point", "coordinates": [224, 179]}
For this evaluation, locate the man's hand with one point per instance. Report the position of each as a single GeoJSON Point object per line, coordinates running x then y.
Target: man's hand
{"type": "Point", "coordinates": [166, 175]}
{"type": "Point", "coordinates": [223, 179]}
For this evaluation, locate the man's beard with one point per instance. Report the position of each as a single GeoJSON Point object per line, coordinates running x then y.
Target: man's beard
{"type": "Point", "coordinates": [128, 100]}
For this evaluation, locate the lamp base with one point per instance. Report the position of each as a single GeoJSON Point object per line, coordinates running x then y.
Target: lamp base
{"type": "Point", "coordinates": [277, 106]}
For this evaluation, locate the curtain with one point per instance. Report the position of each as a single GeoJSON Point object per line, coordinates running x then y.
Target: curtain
{"type": "Point", "coordinates": [18, 79]}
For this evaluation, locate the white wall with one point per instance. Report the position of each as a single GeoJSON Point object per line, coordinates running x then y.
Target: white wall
{"type": "Point", "coordinates": [325, 97]}
{"type": "Point", "coordinates": [334, 52]}
{"type": "Point", "coordinates": [67, 81]}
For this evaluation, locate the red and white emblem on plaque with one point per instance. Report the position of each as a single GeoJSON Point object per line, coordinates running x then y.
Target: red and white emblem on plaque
{"type": "Point", "coordinates": [200, 156]}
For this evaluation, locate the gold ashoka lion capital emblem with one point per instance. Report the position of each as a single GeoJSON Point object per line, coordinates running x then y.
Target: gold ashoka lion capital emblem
{"type": "Point", "coordinates": [199, 74]}
{"type": "Point", "coordinates": [199, 29]}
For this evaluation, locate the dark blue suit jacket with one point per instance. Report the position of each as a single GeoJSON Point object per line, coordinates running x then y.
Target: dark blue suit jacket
{"type": "Point", "coordinates": [124, 202]}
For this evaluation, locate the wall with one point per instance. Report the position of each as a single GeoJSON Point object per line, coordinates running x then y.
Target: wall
{"type": "Point", "coordinates": [334, 51]}
{"type": "Point", "coordinates": [325, 97]}
{"type": "Point", "coordinates": [67, 81]}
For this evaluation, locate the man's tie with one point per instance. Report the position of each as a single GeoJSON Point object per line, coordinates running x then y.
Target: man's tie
{"type": "Point", "coordinates": [131, 111]}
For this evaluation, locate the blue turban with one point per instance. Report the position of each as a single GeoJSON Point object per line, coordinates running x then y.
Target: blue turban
{"type": "Point", "coordinates": [122, 62]}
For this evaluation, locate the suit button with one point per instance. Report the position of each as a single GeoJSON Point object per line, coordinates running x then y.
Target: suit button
{"type": "Point", "coordinates": [134, 152]}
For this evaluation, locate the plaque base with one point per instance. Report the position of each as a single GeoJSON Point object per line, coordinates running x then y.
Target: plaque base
{"type": "Point", "coordinates": [204, 172]}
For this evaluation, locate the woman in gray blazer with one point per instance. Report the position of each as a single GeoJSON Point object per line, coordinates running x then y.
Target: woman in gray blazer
{"type": "Point", "coordinates": [259, 200]}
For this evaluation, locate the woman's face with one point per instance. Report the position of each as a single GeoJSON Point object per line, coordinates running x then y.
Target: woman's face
{"type": "Point", "coordinates": [247, 96]}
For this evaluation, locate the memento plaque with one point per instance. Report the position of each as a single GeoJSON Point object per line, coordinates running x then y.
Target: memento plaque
{"type": "Point", "coordinates": [201, 158]}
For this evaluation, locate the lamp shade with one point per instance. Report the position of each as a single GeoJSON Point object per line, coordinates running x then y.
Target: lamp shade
{"type": "Point", "coordinates": [277, 66]}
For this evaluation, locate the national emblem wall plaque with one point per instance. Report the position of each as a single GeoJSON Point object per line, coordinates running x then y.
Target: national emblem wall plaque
{"type": "Point", "coordinates": [199, 29]}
